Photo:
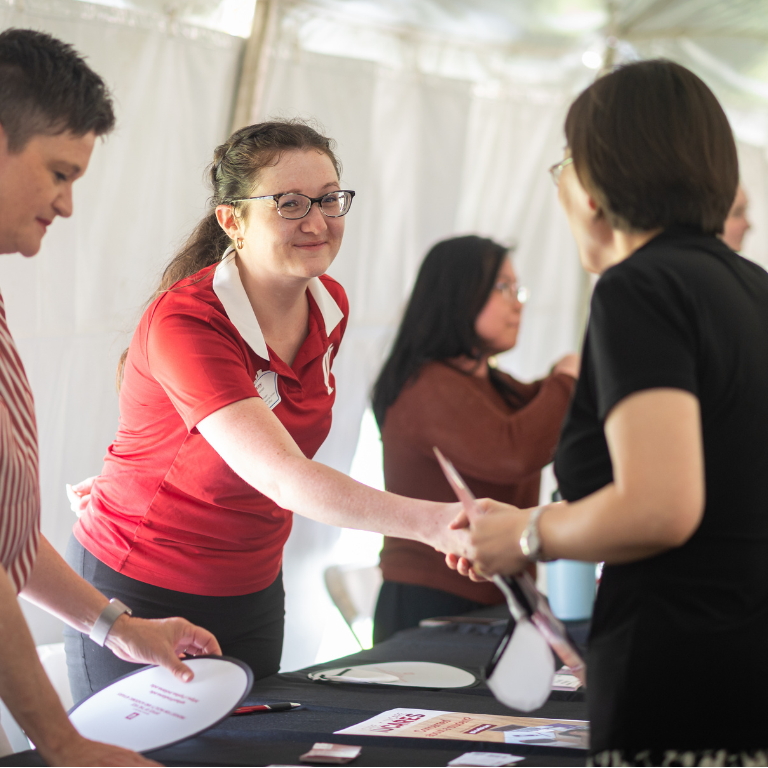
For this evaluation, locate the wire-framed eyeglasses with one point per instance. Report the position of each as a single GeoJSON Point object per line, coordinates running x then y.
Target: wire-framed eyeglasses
{"type": "Point", "coordinates": [556, 170]}
{"type": "Point", "coordinates": [512, 291]}
{"type": "Point", "coordinates": [294, 205]}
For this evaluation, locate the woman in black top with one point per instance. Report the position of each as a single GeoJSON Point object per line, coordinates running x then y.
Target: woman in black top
{"type": "Point", "coordinates": [663, 455]}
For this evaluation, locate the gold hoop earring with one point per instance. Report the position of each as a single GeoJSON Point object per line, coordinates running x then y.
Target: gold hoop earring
{"type": "Point", "coordinates": [239, 243]}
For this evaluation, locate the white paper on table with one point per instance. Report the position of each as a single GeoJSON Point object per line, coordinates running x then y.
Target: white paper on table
{"type": "Point", "coordinates": [486, 759]}
{"type": "Point", "coordinates": [151, 708]}
{"type": "Point", "coordinates": [552, 735]}
{"type": "Point", "coordinates": [330, 754]}
{"type": "Point", "coordinates": [409, 674]}
{"type": "Point", "coordinates": [565, 682]}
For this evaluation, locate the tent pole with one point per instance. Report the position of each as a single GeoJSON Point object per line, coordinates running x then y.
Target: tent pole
{"type": "Point", "coordinates": [253, 70]}
{"type": "Point", "coordinates": [611, 38]}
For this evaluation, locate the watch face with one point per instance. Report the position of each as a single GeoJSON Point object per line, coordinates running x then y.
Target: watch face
{"type": "Point", "coordinates": [123, 607]}
{"type": "Point", "coordinates": [113, 611]}
{"type": "Point", "coordinates": [530, 543]}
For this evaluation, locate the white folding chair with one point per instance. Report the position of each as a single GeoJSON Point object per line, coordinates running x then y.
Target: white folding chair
{"type": "Point", "coordinates": [54, 663]}
{"type": "Point", "coordinates": [354, 590]}
{"type": "Point", "coordinates": [12, 738]}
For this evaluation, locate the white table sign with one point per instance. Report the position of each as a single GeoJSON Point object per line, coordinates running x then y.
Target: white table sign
{"type": "Point", "coordinates": [409, 674]}
{"type": "Point", "coordinates": [151, 708]}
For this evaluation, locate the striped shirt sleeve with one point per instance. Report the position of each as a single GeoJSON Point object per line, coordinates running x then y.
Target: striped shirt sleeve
{"type": "Point", "coordinates": [19, 469]}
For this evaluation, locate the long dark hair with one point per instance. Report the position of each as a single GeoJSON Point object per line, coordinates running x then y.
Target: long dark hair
{"type": "Point", "coordinates": [233, 173]}
{"type": "Point", "coordinates": [454, 283]}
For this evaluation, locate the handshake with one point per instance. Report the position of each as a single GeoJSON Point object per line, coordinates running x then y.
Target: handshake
{"type": "Point", "coordinates": [494, 538]}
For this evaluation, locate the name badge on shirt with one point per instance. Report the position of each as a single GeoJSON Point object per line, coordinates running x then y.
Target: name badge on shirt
{"type": "Point", "coordinates": [266, 386]}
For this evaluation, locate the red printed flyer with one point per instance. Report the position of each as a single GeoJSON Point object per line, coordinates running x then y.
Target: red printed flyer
{"type": "Point", "coordinates": [436, 724]}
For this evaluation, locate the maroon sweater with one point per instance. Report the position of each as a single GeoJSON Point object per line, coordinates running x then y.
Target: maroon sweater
{"type": "Point", "coordinates": [498, 449]}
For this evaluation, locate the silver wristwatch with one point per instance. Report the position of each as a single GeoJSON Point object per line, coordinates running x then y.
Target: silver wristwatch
{"type": "Point", "coordinates": [107, 619]}
{"type": "Point", "coordinates": [530, 541]}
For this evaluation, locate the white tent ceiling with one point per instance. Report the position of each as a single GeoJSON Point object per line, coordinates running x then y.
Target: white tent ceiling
{"type": "Point", "coordinates": [733, 31]}
{"type": "Point", "coordinates": [555, 23]}
{"type": "Point", "coordinates": [537, 42]}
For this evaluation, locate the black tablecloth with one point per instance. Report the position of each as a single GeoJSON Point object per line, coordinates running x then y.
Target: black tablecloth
{"type": "Point", "coordinates": [280, 737]}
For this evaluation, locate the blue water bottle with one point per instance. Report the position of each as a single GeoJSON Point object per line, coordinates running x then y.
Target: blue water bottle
{"type": "Point", "coordinates": [571, 588]}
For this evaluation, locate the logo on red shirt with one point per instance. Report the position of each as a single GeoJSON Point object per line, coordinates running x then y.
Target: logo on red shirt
{"type": "Point", "coordinates": [327, 369]}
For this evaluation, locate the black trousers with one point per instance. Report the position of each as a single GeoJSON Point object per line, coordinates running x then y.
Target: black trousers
{"type": "Point", "coordinates": [248, 627]}
{"type": "Point", "coordinates": [402, 606]}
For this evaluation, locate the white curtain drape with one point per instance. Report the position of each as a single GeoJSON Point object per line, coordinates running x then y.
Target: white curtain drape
{"type": "Point", "coordinates": [72, 307]}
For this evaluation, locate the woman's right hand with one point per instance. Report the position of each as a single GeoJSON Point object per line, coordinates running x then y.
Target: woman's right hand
{"type": "Point", "coordinates": [445, 535]}
{"type": "Point", "coordinates": [464, 567]}
{"type": "Point", "coordinates": [80, 494]}
{"type": "Point", "coordinates": [569, 364]}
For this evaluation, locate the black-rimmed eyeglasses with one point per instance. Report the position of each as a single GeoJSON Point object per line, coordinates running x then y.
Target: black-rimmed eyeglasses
{"type": "Point", "coordinates": [294, 205]}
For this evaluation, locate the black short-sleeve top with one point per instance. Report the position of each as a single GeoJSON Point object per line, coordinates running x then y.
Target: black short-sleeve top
{"type": "Point", "coordinates": [683, 311]}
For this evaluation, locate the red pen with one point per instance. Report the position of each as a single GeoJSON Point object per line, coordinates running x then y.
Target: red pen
{"type": "Point", "coordinates": [282, 706]}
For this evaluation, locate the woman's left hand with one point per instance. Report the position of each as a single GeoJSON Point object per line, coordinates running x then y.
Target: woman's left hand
{"type": "Point", "coordinates": [80, 494]}
{"type": "Point", "coordinates": [160, 641]}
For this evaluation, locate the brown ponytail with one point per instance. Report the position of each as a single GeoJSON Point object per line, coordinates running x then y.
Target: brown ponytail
{"type": "Point", "coordinates": [233, 173]}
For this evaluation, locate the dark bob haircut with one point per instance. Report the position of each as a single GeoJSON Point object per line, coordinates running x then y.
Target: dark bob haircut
{"type": "Point", "coordinates": [454, 283]}
{"type": "Point", "coordinates": [652, 146]}
{"type": "Point", "coordinates": [47, 88]}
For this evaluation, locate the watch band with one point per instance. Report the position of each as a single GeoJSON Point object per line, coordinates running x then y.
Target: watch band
{"type": "Point", "coordinates": [530, 541]}
{"type": "Point", "coordinates": [107, 619]}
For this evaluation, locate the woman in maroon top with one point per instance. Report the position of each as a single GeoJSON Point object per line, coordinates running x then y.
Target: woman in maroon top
{"type": "Point", "coordinates": [438, 389]}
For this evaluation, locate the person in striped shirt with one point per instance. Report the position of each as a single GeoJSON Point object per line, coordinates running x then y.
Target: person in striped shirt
{"type": "Point", "coordinates": [52, 108]}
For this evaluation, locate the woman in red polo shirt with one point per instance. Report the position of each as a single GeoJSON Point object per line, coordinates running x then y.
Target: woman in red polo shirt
{"type": "Point", "coordinates": [226, 395]}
